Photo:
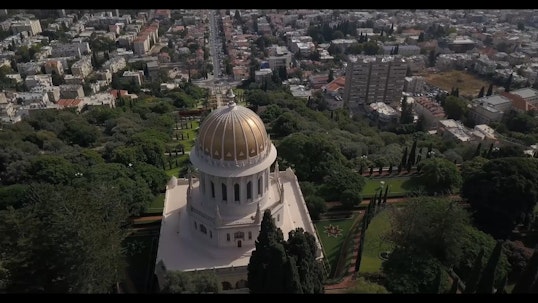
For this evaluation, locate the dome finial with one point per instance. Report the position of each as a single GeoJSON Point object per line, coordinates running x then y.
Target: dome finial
{"type": "Point", "coordinates": [230, 94]}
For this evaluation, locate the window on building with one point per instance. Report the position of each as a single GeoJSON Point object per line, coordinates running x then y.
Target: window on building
{"type": "Point", "coordinates": [224, 192]}
{"type": "Point", "coordinates": [249, 190]}
{"type": "Point", "coordinates": [212, 190]}
{"type": "Point", "coordinates": [236, 192]}
{"type": "Point", "coordinates": [203, 229]}
{"type": "Point", "coordinates": [239, 235]}
{"type": "Point", "coordinates": [259, 186]}
{"type": "Point", "coordinates": [227, 237]}
{"type": "Point", "coordinates": [195, 225]}
{"type": "Point", "coordinates": [278, 217]}
{"type": "Point", "coordinates": [250, 235]}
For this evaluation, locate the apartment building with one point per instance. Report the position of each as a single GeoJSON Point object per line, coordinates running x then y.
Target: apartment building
{"type": "Point", "coordinates": [73, 49]}
{"type": "Point", "coordinates": [115, 64]}
{"type": "Point", "coordinates": [71, 91]}
{"type": "Point", "coordinates": [54, 66]}
{"type": "Point", "coordinates": [371, 79]}
{"type": "Point", "coordinates": [134, 76]}
{"type": "Point", "coordinates": [146, 39]}
{"type": "Point", "coordinates": [490, 108]}
{"type": "Point", "coordinates": [262, 74]}
{"type": "Point", "coordinates": [33, 27]}
{"type": "Point", "coordinates": [82, 67]}
{"type": "Point", "coordinates": [414, 85]}
{"type": "Point", "coordinates": [32, 81]}
{"type": "Point", "coordinates": [431, 111]}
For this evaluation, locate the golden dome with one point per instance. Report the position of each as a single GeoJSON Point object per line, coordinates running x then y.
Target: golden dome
{"type": "Point", "coordinates": [231, 133]}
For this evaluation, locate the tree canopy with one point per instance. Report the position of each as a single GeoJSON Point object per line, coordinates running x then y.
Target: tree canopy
{"type": "Point", "coordinates": [179, 282]}
{"type": "Point", "coordinates": [432, 225]}
{"type": "Point", "coordinates": [439, 175]}
{"type": "Point", "coordinates": [279, 266]}
{"type": "Point", "coordinates": [64, 240]}
{"type": "Point", "coordinates": [502, 193]}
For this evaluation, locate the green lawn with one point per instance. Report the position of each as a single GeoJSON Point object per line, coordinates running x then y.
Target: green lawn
{"type": "Point", "coordinates": [332, 245]}
{"type": "Point", "coordinates": [374, 243]}
{"type": "Point", "coordinates": [398, 186]}
{"type": "Point", "coordinates": [189, 134]}
{"type": "Point", "coordinates": [157, 204]}
{"type": "Point", "coordinates": [181, 164]}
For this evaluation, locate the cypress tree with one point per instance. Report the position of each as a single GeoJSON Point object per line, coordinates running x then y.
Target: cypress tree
{"type": "Point", "coordinates": [487, 278]}
{"type": "Point", "coordinates": [404, 158]}
{"type": "Point", "coordinates": [412, 154]}
{"type": "Point", "coordinates": [359, 254]}
{"type": "Point", "coordinates": [454, 288]}
{"type": "Point", "coordinates": [488, 155]}
{"type": "Point", "coordinates": [436, 284]}
{"type": "Point", "coordinates": [301, 249]}
{"type": "Point", "coordinates": [268, 254]}
{"type": "Point", "coordinates": [528, 276]}
{"type": "Point", "coordinates": [508, 83]}
{"type": "Point", "coordinates": [474, 275]}
{"type": "Point", "coordinates": [386, 194]}
{"type": "Point", "coordinates": [501, 288]}
{"type": "Point", "coordinates": [379, 200]}
{"type": "Point", "coordinates": [490, 90]}
{"type": "Point", "coordinates": [477, 151]}
{"type": "Point", "coordinates": [481, 93]}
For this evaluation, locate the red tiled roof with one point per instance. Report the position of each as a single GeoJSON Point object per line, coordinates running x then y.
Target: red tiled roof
{"type": "Point", "coordinates": [118, 93]}
{"type": "Point", "coordinates": [68, 102]}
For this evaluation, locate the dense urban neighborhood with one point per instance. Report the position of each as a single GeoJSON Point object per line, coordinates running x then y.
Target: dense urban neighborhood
{"type": "Point", "coordinates": [314, 151]}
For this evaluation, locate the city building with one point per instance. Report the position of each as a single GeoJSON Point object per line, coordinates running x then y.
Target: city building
{"type": "Point", "coordinates": [211, 219]}
{"type": "Point", "coordinates": [371, 79]}
{"type": "Point", "coordinates": [431, 111]}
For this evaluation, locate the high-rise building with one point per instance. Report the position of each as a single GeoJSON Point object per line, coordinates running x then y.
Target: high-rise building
{"type": "Point", "coordinates": [211, 219]}
{"type": "Point", "coordinates": [371, 79]}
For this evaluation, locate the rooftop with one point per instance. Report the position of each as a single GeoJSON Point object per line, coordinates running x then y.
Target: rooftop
{"type": "Point", "coordinates": [179, 250]}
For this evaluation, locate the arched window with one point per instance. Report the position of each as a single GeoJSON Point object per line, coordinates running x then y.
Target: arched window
{"type": "Point", "coordinates": [212, 190]}
{"type": "Point", "coordinates": [227, 237]}
{"type": "Point", "coordinates": [239, 235]}
{"type": "Point", "coordinates": [195, 225]}
{"type": "Point", "coordinates": [224, 192]}
{"type": "Point", "coordinates": [203, 229]}
{"type": "Point", "coordinates": [259, 186]}
{"type": "Point", "coordinates": [236, 192]}
{"type": "Point", "coordinates": [249, 190]}
{"type": "Point", "coordinates": [250, 235]}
